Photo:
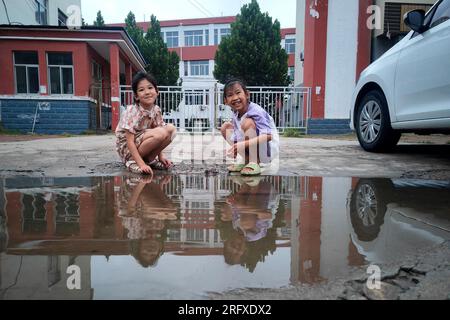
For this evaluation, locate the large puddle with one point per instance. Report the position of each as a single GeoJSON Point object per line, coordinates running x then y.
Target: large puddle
{"type": "Point", "coordinates": [179, 237]}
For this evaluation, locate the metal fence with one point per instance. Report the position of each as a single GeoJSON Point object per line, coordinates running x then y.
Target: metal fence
{"type": "Point", "coordinates": [203, 109]}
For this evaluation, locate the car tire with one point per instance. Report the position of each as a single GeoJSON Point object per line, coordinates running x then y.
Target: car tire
{"type": "Point", "coordinates": [373, 125]}
{"type": "Point", "coordinates": [368, 206]}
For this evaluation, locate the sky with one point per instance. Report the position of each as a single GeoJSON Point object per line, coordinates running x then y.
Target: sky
{"type": "Point", "coordinates": [115, 11]}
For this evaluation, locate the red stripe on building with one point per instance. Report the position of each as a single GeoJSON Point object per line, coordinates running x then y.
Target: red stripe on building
{"type": "Point", "coordinates": [291, 60]}
{"type": "Point", "coordinates": [196, 53]}
{"type": "Point", "coordinates": [364, 38]}
{"type": "Point", "coordinates": [287, 31]}
{"type": "Point", "coordinates": [184, 22]}
{"type": "Point", "coordinates": [316, 23]}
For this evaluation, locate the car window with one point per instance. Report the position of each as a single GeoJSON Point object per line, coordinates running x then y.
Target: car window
{"type": "Point", "coordinates": [430, 15]}
{"type": "Point", "coordinates": [441, 14]}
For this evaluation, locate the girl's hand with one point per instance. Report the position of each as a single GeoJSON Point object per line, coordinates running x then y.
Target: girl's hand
{"type": "Point", "coordinates": [146, 169]}
{"type": "Point", "coordinates": [166, 162]}
{"type": "Point", "coordinates": [233, 151]}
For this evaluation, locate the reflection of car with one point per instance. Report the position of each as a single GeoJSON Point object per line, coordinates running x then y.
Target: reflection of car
{"type": "Point", "coordinates": [392, 217]}
{"type": "Point", "coordinates": [408, 88]}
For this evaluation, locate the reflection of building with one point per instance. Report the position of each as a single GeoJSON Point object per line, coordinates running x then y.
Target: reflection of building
{"type": "Point", "coordinates": [329, 224]}
{"type": "Point", "coordinates": [40, 217]}
{"type": "Point", "coordinates": [43, 277]}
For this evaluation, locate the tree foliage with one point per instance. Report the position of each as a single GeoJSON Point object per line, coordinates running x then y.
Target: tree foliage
{"type": "Point", "coordinates": [162, 63]}
{"type": "Point", "coordinates": [253, 52]}
{"type": "Point", "coordinates": [99, 22]}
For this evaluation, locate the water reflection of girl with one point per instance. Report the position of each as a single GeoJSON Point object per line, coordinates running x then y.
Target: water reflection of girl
{"type": "Point", "coordinates": [246, 223]}
{"type": "Point", "coordinates": [144, 210]}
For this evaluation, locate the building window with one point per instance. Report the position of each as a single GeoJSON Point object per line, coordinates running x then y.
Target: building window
{"type": "Point", "coordinates": [172, 39]}
{"type": "Point", "coordinates": [193, 38]}
{"type": "Point", "coordinates": [186, 68]}
{"type": "Point", "coordinates": [289, 46]}
{"type": "Point", "coordinates": [60, 71]}
{"type": "Point", "coordinates": [62, 18]}
{"type": "Point", "coordinates": [96, 72]}
{"type": "Point", "coordinates": [225, 32]}
{"type": "Point", "coordinates": [291, 73]}
{"type": "Point", "coordinates": [200, 68]}
{"type": "Point", "coordinates": [41, 11]}
{"type": "Point", "coordinates": [26, 69]}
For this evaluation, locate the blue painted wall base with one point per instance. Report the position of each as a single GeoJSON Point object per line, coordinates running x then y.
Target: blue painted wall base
{"type": "Point", "coordinates": [328, 126]}
{"type": "Point", "coordinates": [51, 116]}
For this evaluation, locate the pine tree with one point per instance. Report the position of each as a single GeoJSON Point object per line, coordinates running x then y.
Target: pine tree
{"type": "Point", "coordinates": [253, 52]}
{"type": "Point", "coordinates": [136, 33]}
{"type": "Point", "coordinates": [99, 22]}
{"type": "Point", "coordinates": [164, 65]}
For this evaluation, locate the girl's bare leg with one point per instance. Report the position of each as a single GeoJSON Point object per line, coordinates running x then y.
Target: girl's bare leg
{"type": "Point", "coordinates": [227, 132]}
{"type": "Point", "coordinates": [250, 154]}
{"type": "Point", "coordinates": [155, 141]}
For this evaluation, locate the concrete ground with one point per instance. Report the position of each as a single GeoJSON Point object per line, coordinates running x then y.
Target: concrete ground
{"type": "Point", "coordinates": [415, 156]}
{"type": "Point", "coordinates": [422, 276]}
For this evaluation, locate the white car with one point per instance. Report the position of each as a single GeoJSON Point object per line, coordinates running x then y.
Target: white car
{"type": "Point", "coordinates": [408, 88]}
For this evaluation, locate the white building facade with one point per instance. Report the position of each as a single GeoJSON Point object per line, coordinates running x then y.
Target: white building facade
{"type": "Point", "coordinates": [38, 12]}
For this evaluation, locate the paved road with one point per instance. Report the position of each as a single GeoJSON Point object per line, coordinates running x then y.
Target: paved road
{"type": "Point", "coordinates": [95, 155]}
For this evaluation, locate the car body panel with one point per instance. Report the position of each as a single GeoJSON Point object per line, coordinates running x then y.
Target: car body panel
{"type": "Point", "coordinates": [422, 82]}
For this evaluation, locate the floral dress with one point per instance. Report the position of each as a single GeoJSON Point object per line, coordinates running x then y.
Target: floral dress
{"type": "Point", "coordinates": [136, 120]}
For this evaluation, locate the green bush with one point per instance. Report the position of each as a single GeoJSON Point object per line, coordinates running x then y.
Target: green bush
{"type": "Point", "coordinates": [292, 133]}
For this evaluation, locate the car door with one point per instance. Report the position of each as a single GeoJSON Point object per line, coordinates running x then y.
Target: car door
{"type": "Point", "coordinates": [422, 82]}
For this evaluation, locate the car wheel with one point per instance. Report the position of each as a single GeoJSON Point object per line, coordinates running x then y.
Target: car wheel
{"type": "Point", "coordinates": [368, 207]}
{"type": "Point", "coordinates": [373, 126]}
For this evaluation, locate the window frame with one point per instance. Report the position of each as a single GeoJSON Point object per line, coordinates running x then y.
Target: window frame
{"type": "Point", "coordinates": [291, 71]}
{"type": "Point", "coordinates": [445, 3]}
{"type": "Point", "coordinates": [41, 4]}
{"type": "Point", "coordinates": [49, 84]}
{"type": "Point", "coordinates": [428, 15]}
{"type": "Point", "coordinates": [26, 74]}
{"type": "Point", "coordinates": [220, 34]}
{"type": "Point", "coordinates": [196, 35]}
{"type": "Point", "coordinates": [170, 35]}
{"type": "Point", "coordinates": [62, 14]}
{"type": "Point", "coordinates": [289, 43]}
{"type": "Point", "coordinates": [200, 65]}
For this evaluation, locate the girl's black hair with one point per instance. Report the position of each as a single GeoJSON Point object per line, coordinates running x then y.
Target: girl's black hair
{"type": "Point", "coordinates": [231, 82]}
{"type": "Point", "coordinates": [138, 77]}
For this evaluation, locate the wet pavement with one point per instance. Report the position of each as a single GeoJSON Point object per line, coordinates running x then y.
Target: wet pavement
{"type": "Point", "coordinates": [185, 236]}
